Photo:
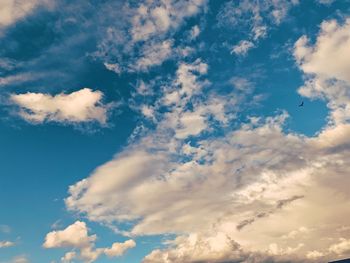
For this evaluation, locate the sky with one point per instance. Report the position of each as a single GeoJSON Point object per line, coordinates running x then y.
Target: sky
{"type": "Point", "coordinates": [174, 131]}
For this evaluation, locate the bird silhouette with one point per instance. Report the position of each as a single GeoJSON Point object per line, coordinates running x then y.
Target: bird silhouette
{"type": "Point", "coordinates": [301, 104]}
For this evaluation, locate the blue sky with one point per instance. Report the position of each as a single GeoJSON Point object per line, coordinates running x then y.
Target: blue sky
{"type": "Point", "coordinates": [164, 131]}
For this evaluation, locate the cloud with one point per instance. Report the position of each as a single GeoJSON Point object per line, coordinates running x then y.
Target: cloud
{"type": "Point", "coordinates": [252, 19]}
{"type": "Point", "coordinates": [80, 106]}
{"type": "Point", "coordinates": [145, 38]}
{"type": "Point", "coordinates": [195, 31]}
{"type": "Point", "coordinates": [295, 233]}
{"type": "Point", "coordinates": [199, 248]}
{"type": "Point", "coordinates": [326, 67]}
{"type": "Point", "coordinates": [341, 248]}
{"type": "Point", "coordinates": [6, 244]}
{"type": "Point", "coordinates": [279, 205]}
{"type": "Point", "coordinates": [325, 2]}
{"type": "Point", "coordinates": [230, 166]}
{"type": "Point", "coordinates": [177, 177]}
{"type": "Point", "coordinates": [16, 79]}
{"type": "Point", "coordinates": [5, 229]}
{"type": "Point", "coordinates": [160, 16]}
{"type": "Point", "coordinates": [242, 47]}
{"type": "Point", "coordinates": [68, 257]}
{"type": "Point", "coordinates": [13, 10]}
{"type": "Point", "coordinates": [119, 249]}
{"type": "Point", "coordinates": [154, 54]}
{"type": "Point", "coordinates": [76, 236]}
{"type": "Point", "coordinates": [20, 259]}
{"type": "Point", "coordinates": [329, 56]}
{"type": "Point", "coordinates": [314, 254]}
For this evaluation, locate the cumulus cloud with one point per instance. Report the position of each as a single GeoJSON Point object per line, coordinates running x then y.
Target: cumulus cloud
{"type": "Point", "coordinates": [76, 236]}
{"type": "Point", "coordinates": [119, 249]}
{"type": "Point", "coordinates": [329, 56]}
{"type": "Point", "coordinates": [84, 105]}
{"type": "Point", "coordinates": [326, 67]}
{"type": "Point", "coordinates": [256, 173]}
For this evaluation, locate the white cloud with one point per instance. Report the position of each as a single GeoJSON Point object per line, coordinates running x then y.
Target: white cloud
{"type": "Point", "coordinates": [242, 47]}
{"type": "Point", "coordinates": [253, 176]}
{"type": "Point", "coordinates": [158, 17]}
{"type": "Point", "coordinates": [195, 31]}
{"type": "Point", "coordinates": [252, 19]}
{"type": "Point", "coordinates": [329, 57]}
{"type": "Point", "coordinates": [154, 54]}
{"type": "Point", "coordinates": [327, 68]}
{"type": "Point", "coordinates": [275, 250]}
{"type": "Point", "coordinates": [198, 248]}
{"type": "Point", "coordinates": [15, 79]}
{"type": "Point", "coordinates": [146, 40]}
{"type": "Point", "coordinates": [6, 244]}
{"type": "Point", "coordinates": [314, 254]}
{"type": "Point", "coordinates": [341, 248]}
{"type": "Point", "coordinates": [76, 236]}
{"type": "Point", "coordinates": [68, 257]}
{"type": "Point", "coordinates": [13, 10]}
{"type": "Point", "coordinates": [296, 233]}
{"type": "Point", "coordinates": [119, 249]}
{"type": "Point", "coordinates": [80, 106]}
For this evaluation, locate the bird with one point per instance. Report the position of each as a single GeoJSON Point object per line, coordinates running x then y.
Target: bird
{"type": "Point", "coordinates": [301, 104]}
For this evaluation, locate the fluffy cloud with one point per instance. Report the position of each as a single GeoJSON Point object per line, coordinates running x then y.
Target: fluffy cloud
{"type": "Point", "coordinates": [76, 236]}
{"type": "Point", "coordinates": [119, 249]}
{"type": "Point", "coordinates": [226, 197]}
{"type": "Point", "coordinates": [327, 67]}
{"type": "Point", "coordinates": [329, 57]}
{"type": "Point", "coordinates": [80, 106]}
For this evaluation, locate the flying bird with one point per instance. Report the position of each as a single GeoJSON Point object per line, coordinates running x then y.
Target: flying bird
{"type": "Point", "coordinates": [301, 104]}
